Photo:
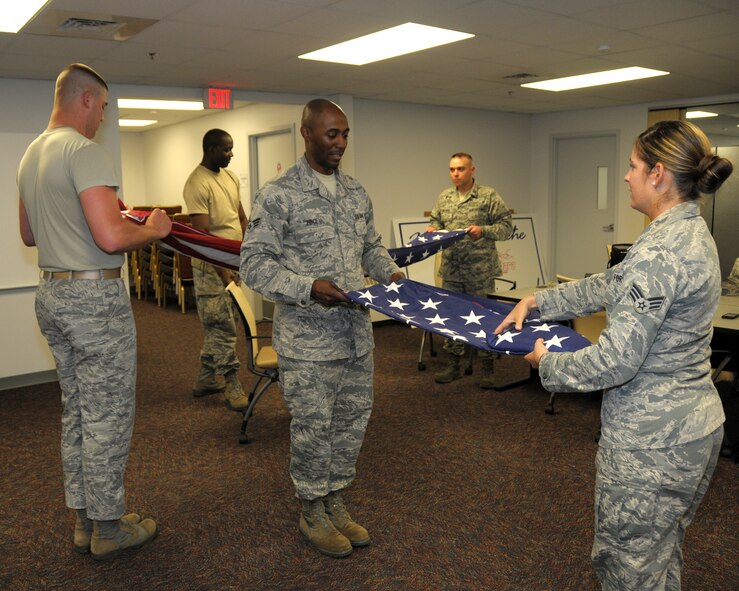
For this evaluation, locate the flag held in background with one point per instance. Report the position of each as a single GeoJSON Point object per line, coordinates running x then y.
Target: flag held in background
{"type": "Point", "coordinates": [464, 318]}
{"type": "Point", "coordinates": [226, 253]}
{"type": "Point", "coordinates": [424, 246]}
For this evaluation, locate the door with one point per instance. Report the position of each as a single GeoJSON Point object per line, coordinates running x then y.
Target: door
{"type": "Point", "coordinates": [722, 212]}
{"type": "Point", "coordinates": [584, 211]}
{"type": "Point", "coordinates": [270, 153]}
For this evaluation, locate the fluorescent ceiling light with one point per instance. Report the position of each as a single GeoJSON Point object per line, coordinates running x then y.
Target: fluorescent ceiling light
{"type": "Point", "coordinates": [700, 114]}
{"type": "Point", "coordinates": [14, 15]}
{"type": "Point", "coordinates": [382, 45]}
{"type": "Point", "coordinates": [125, 103]}
{"type": "Point", "coordinates": [595, 79]}
{"type": "Point", "coordinates": [136, 122]}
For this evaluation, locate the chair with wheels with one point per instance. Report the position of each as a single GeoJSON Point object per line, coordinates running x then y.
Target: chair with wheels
{"type": "Point", "coordinates": [260, 361]}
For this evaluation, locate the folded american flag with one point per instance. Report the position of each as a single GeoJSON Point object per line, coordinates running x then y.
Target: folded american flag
{"type": "Point", "coordinates": [226, 253]}
{"type": "Point", "coordinates": [426, 245]}
{"type": "Point", "coordinates": [465, 318]}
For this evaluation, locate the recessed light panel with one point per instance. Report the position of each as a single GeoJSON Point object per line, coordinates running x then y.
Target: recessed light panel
{"type": "Point", "coordinates": [136, 122]}
{"type": "Point", "coordinates": [406, 38]}
{"type": "Point", "coordinates": [595, 79]}
{"type": "Point", "coordinates": [16, 14]}
{"type": "Point", "coordinates": [699, 114]}
{"type": "Point", "coordinates": [161, 105]}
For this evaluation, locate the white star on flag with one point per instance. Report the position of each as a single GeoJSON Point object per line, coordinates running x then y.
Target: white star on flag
{"type": "Point", "coordinates": [397, 304]}
{"type": "Point", "coordinates": [472, 319]}
{"type": "Point", "coordinates": [480, 335]}
{"type": "Point", "coordinates": [392, 287]}
{"type": "Point", "coordinates": [429, 304]}
{"type": "Point", "coordinates": [555, 341]}
{"type": "Point", "coordinates": [506, 336]}
{"type": "Point", "coordinates": [366, 296]}
{"type": "Point", "coordinates": [437, 320]}
{"type": "Point", "coordinates": [544, 327]}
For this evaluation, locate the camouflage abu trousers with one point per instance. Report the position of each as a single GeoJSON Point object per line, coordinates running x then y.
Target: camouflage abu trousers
{"type": "Point", "coordinates": [216, 313]}
{"type": "Point", "coordinates": [480, 290]}
{"type": "Point", "coordinates": [91, 333]}
{"type": "Point", "coordinates": [644, 501]}
{"type": "Point", "coordinates": [330, 403]}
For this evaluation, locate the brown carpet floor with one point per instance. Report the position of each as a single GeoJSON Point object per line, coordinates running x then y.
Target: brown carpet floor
{"type": "Point", "coordinates": [460, 488]}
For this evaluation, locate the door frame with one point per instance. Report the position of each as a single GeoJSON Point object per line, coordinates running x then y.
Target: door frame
{"type": "Point", "coordinates": [552, 200]}
{"type": "Point", "coordinates": [253, 139]}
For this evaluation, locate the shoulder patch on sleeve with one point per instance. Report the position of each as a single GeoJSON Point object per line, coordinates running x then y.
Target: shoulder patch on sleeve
{"type": "Point", "coordinates": [254, 223]}
{"type": "Point", "coordinates": [643, 304]}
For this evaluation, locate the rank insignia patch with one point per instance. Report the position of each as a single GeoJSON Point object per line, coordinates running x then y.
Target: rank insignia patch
{"type": "Point", "coordinates": [643, 304]}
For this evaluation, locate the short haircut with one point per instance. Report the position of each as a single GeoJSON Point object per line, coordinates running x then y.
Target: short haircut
{"type": "Point", "coordinates": [315, 108]}
{"type": "Point", "coordinates": [213, 138]}
{"type": "Point", "coordinates": [461, 155]}
{"type": "Point", "coordinates": [87, 70]}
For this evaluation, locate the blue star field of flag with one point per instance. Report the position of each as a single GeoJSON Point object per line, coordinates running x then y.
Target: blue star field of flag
{"type": "Point", "coordinates": [426, 245]}
{"type": "Point", "coordinates": [464, 318]}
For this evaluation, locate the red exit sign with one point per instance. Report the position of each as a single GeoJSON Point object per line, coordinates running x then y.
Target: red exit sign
{"type": "Point", "coordinates": [218, 98]}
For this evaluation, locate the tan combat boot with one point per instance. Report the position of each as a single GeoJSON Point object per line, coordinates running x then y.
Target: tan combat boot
{"type": "Point", "coordinates": [207, 383]}
{"type": "Point", "coordinates": [320, 532]}
{"type": "Point", "coordinates": [235, 397]}
{"type": "Point", "coordinates": [83, 531]}
{"type": "Point", "coordinates": [451, 372]}
{"type": "Point", "coordinates": [110, 538]}
{"type": "Point", "coordinates": [486, 378]}
{"type": "Point", "coordinates": [339, 516]}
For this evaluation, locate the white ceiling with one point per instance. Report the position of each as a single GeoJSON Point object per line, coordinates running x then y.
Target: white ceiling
{"type": "Point", "coordinates": [254, 44]}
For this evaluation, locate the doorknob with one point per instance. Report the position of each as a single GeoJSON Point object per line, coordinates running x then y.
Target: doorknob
{"type": "Point", "coordinates": [608, 228]}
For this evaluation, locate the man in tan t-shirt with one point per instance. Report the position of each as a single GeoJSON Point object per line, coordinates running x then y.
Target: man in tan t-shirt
{"type": "Point", "coordinates": [213, 201]}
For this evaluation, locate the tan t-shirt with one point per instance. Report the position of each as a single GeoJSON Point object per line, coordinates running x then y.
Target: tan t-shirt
{"type": "Point", "coordinates": [58, 166]}
{"type": "Point", "coordinates": [216, 194]}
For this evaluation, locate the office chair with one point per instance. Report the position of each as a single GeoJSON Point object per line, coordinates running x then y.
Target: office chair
{"type": "Point", "coordinates": [260, 361]}
{"type": "Point", "coordinates": [588, 326]}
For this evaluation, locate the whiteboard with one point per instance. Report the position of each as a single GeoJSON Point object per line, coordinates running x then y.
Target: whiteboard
{"type": "Point", "coordinates": [20, 263]}
{"type": "Point", "coordinates": [519, 257]}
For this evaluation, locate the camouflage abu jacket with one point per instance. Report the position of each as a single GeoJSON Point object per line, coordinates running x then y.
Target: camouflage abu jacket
{"type": "Point", "coordinates": [299, 233]}
{"type": "Point", "coordinates": [653, 358]}
{"type": "Point", "coordinates": [472, 261]}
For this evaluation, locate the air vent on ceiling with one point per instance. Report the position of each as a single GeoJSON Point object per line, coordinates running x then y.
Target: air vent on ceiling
{"type": "Point", "coordinates": [89, 24]}
{"type": "Point", "coordinates": [86, 25]}
{"type": "Point", "coordinates": [520, 76]}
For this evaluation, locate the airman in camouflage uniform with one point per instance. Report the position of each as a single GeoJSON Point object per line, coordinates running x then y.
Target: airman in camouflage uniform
{"type": "Point", "coordinates": [69, 210]}
{"type": "Point", "coordinates": [213, 201]}
{"type": "Point", "coordinates": [661, 416]}
{"type": "Point", "coordinates": [470, 265]}
{"type": "Point", "coordinates": [312, 235]}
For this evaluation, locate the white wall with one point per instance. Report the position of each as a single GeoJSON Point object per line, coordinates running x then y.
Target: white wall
{"type": "Point", "coordinates": [402, 155]}
{"type": "Point", "coordinates": [171, 153]}
{"type": "Point", "coordinates": [26, 106]}
{"type": "Point", "coordinates": [625, 122]}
